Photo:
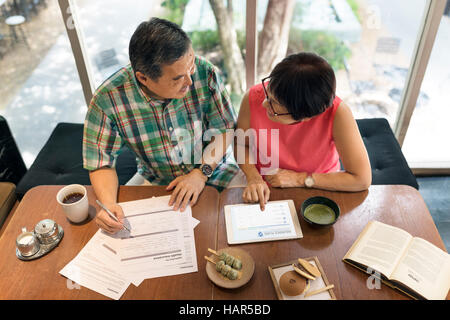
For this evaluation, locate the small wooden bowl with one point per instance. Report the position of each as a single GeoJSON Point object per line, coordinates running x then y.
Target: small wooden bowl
{"type": "Point", "coordinates": [246, 273]}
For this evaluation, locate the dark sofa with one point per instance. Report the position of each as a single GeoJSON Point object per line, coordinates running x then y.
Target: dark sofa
{"type": "Point", "coordinates": [389, 166]}
{"type": "Point", "coordinates": [60, 160]}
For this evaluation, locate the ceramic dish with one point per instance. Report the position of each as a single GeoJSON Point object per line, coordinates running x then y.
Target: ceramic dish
{"type": "Point", "coordinates": [326, 212]}
{"type": "Point", "coordinates": [246, 273]}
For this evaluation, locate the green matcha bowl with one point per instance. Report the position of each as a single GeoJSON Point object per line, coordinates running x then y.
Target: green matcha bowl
{"type": "Point", "coordinates": [320, 211]}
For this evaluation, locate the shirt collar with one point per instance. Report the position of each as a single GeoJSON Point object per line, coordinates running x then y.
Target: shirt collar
{"type": "Point", "coordinates": [137, 84]}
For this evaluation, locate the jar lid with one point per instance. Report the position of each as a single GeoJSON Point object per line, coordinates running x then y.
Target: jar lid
{"type": "Point", "coordinates": [45, 227]}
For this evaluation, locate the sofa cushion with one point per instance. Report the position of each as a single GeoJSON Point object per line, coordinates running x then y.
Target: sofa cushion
{"type": "Point", "coordinates": [60, 161]}
{"type": "Point", "coordinates": [7, 200]}
{"type": "Point", "coordinates": [389, 165]}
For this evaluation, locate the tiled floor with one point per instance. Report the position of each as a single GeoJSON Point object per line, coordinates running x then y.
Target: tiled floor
{"type": "Point", "coordinates": [436, 193]}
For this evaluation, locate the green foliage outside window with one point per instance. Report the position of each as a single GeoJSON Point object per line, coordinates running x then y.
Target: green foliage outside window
{"type": "Point", "coordinates": [322, 43]}
{"type": "Point", "coordinates": [175, 10]}
{"type": "Point", "coordinates": [355, 7]}
{"type": "Point", "coordinates": [204, 41]}
{"type": "Point", "coordinates": [207, 43]}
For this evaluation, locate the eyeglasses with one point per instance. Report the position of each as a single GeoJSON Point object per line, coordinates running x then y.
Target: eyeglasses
{"type": "Point", "coordinates": [276, 114]}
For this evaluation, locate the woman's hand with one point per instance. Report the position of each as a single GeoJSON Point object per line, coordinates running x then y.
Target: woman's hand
{"type": "Point", "coordinates": [256, 191]}
{"type": "Point", "coordinates": [286, 179]}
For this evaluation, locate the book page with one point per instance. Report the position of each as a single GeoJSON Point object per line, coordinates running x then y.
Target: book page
{"type": "Point", "coordinates": [380, 247]}
{"type": "Point", "coordinates": [426, 269]}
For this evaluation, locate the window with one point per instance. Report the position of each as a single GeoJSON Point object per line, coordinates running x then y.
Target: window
{"type": "Point", "coordinates": [427, 140]}
{"type": "Point", "coordinates": [370, 45]}
{"type": "Point", "coordinates": [106, 28]}
{"type": "Point", "coordinates": [40, 84]}
{"type": "Point", "coordinates": [106, 43]}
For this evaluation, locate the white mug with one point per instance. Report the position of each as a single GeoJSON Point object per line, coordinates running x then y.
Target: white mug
{"type": "Point", "coordinates": [77, 211]}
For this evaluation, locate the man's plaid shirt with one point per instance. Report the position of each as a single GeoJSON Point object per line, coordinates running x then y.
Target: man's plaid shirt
{"type": "Point", "coordinates": [166, 135]}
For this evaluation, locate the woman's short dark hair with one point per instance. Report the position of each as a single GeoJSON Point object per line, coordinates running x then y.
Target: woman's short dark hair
{"type": "Point", "coordinates": [304, 83]}
{"type": "Point", "coordinates": [154, 43]}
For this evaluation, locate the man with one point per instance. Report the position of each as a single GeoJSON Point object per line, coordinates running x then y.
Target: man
{"type": "Point", "coordinates": [159, 107]}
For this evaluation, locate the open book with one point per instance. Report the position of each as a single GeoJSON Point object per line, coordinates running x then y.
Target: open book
{"type": "Point", "coordinates": [411, 265]}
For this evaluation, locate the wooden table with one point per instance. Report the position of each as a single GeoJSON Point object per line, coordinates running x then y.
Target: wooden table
{"type": "Point", "coordinates": [40, 278]}
{"type": "Point", "coordinates": [401, 206]}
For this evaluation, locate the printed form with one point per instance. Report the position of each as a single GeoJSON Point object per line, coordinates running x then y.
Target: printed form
{"type": "Point", "coordinates": [161, 243]}
{"type": "Point", "coordinates": [96, 267]}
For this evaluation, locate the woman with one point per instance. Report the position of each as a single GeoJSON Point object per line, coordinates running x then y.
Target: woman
{"type": "Point", "coordinates": [315, 130]}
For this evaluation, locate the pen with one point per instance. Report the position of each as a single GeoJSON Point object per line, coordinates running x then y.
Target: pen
{"type": "Point", "coordinates": [111, 214]}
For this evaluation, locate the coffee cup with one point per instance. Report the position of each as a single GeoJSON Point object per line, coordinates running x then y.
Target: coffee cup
{"type": "Point", "coordinates": [74, 201]}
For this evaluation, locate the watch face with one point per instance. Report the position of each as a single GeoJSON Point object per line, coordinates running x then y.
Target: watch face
{"type": "Point", "coordinates": [207, 170]}
{"type": "Point", "coordinates": [309, 182]}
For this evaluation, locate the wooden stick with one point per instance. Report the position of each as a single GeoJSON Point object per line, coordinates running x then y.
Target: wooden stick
{"type": "Point", "coordinates": [210, 260]}
{"type": "Point", "coordinates": [308, 294]}
{"type": "Point", "coordinates": [213, 252]}
{"type": "Point", "coordinates": [304, 274]}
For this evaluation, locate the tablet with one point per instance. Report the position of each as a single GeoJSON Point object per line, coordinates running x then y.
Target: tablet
{"type": "Point", "coordinates": [247, 223]}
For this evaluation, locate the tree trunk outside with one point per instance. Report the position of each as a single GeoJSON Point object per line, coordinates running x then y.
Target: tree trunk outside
{"type": "Point", "coordinates": [234, 63]}
{"type": "Point", "coordinates": [274, 37]}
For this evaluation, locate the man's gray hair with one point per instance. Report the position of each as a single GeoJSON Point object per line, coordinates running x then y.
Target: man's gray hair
{"type": "Point", "coordinates": [154, 43]}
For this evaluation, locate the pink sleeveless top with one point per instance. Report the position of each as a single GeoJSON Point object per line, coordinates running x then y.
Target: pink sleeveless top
{"type": "Point", "coordinates": [307, 146]}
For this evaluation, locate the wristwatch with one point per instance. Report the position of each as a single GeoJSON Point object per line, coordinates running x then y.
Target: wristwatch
{"type": "Point", "coordinates": [206, 170]}
{"type": "Point", "coordinates": [309, 181]}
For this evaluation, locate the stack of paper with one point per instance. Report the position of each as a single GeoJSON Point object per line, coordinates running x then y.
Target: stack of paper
{"type": "Point", "coordinates": [161, 243]}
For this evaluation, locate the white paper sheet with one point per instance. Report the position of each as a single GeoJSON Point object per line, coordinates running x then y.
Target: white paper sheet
{"type": "Point", "coordinates": [170, 232]}
{"type": "Point", "coordinates": [96, 267]}
{"type": "Point", "coordinates": [161, 243]}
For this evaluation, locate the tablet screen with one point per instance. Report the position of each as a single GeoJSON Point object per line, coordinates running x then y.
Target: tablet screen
{"type": "Point", "coordinates": [247, 223]}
